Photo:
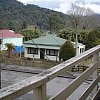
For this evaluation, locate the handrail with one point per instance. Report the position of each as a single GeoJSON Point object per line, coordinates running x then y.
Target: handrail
{"type": "Point", "coordinates": [41, 79]}
{"type": "Point", "coordinates": [75, 83]}
{"type": "Point", "coordinates": [90, 88]}
{"type": "Point", "coordinates": [96, 95]}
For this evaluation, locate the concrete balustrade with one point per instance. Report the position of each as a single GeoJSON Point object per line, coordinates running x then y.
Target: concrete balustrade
{"type": "Point", "coordinates": [38, 82]}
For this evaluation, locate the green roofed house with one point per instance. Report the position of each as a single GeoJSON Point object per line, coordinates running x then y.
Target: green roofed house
{"type": "Point", "coordinates": [46, 47]}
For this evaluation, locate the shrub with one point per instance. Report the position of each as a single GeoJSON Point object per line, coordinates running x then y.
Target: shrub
{"type": "Point", "coordinates": [66, 51]}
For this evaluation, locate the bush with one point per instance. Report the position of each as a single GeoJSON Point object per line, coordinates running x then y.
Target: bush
{"type": "Point", "coordinates": [67, 51]}
{"type": "Point", "coordinates": [92, 39]}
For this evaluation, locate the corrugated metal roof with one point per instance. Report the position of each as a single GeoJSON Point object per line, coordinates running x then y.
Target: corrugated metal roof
{"type": "Point", "coordinates": [9, 33]}
{"type": "Point", "coordinates": [50, 41]}
{"type": "Point", "coordinates": [47, 40]}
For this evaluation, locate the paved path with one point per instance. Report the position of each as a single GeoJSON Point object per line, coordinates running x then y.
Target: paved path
{"type": "Point", "coordinates": [35, 70]}
{"type": "Point", "coordinates": [32, 70]}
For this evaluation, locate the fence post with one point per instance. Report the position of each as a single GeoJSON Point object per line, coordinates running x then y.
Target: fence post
{"type": "Point", "coordinates": [40, 93]}
{"type": "Point", "coordinates": [95, 74]}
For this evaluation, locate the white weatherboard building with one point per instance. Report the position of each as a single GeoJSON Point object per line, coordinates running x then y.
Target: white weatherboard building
{"type": "Point", "coordinates": [9, 36]}
{"type": "Point", "coordinates": [47, 47]}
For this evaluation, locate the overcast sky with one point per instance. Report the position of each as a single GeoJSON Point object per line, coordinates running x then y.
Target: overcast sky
{"type": "Point", "coordinates": [64, 5]}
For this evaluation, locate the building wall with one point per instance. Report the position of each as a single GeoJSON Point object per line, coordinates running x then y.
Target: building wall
{"type": "Point", "coordinates": [56, 58]}
{"type": "Point", "coordinates": [31, 55]}
{"type": "Point", "coordinates": [38, 55]}
{"type": "Point", "coordinates": [81, 49]}
{"type": "Point", "coordinates": [49, 57]}
{"type": "Point", "coordinates": [15, 41]}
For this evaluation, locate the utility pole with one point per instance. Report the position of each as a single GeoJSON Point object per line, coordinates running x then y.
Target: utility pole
{"type": "Point", "coordinates": [76, 44]}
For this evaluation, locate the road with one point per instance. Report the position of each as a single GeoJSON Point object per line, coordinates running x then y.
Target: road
{"type": "Point", "coordinates": [11, 77]}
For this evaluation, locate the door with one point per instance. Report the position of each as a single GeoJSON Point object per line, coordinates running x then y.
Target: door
{"type": "Point", "coordinates": [42, 53]}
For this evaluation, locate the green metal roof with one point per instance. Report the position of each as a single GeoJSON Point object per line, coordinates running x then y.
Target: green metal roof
{"type": "Point", "coordinates": [49, 40]}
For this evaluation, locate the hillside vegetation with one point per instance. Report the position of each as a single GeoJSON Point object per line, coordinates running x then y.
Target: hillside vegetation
{"type": "Point", "coordinates": [15, 15]}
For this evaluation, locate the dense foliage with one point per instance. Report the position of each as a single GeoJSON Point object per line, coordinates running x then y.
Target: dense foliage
{"type": "Point", "coordinates": [55, 23]}
{"type": "Point", "coordinates": [17, 16]}
{"type": "Point", "coordinates": [92, 39]}
{"type": "Point", "coordinates": [66, 51]}
{"type": "Point", "coordinates": [30, 34]}
{"type": "Point", "coordinates": [68, 34]}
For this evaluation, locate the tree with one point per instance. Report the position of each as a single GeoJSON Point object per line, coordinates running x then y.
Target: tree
{"type": "Point", "coordinates": [68, 34]}
{"type": "Point", "coordinates": [92, 39]}
{"type": "Point", "coordinates": [66, 51]}
{"type": "Point", "coordinates": [78, 16]}
{"type": "Point", "coordinates": [30, 34]}
{"type": "Point", "coordinates": [10, 47]}
{"type": "Point", "coordinates": [54, 22]}
{"type": "Point", "coordinates": [37, 33]}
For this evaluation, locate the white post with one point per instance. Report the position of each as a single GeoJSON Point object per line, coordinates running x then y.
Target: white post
{"type": "Point", "coordinates": [40, 93]}
{"type": "Point", "coordinates": [20, 51]}
{"type": "Point", "coordinates": [76, 44]}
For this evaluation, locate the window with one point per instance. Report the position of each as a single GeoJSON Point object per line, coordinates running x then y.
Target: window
{"type": "Point", "coordinates": [0, 41]}
{"type": "Point", "coordinates": [32, 50]}
{"type": "Point", "coordinates": [81, 50]}
{"type": "Point", "coordinates": [51, 52]}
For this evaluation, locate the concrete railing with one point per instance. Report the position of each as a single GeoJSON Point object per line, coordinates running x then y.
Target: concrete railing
{"type": "Point", "coordinates": [38, 82]}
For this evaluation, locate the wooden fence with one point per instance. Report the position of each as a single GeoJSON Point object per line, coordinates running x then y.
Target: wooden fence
{"type": "Point", "coordinates": [38, 82]}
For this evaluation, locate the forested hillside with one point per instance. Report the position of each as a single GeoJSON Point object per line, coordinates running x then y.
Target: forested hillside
{"type": "Point", "coordinates": [15, 15]}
